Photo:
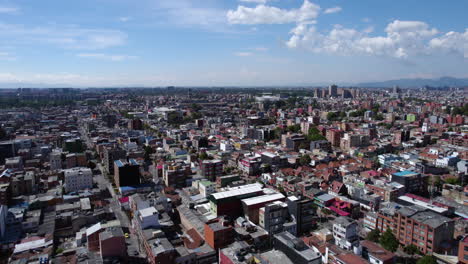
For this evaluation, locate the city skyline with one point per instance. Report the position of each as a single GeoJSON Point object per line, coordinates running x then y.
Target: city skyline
{"type": "Point", "coordinates": [234, 43]}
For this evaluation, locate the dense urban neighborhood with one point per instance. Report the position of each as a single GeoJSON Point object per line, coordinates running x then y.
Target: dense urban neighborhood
{"type": "Point", "coordinates": [332, 175]}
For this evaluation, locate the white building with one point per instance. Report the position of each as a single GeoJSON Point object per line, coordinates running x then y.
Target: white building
{"type": "Point", "coordinates": [345, 233]}
{"type": "Point", "coordinates": [206, 188]}
{"type": "Point", "coordinates": [226, 146]}
{"type": "Point", "coordinates": [79, 178]}
{"type": "Point", "coordinates": [148, 217]}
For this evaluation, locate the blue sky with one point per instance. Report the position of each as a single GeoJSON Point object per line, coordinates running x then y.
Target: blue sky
{"type": "Point", "coordinates": [231, 42]}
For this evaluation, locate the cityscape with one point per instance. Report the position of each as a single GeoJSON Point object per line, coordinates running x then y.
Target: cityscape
{"type": "Point", "coordinates": [233, 131]}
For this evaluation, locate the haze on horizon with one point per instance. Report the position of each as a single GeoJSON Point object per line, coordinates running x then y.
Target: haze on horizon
{"type": "Point", "coordinates": [229, 42]}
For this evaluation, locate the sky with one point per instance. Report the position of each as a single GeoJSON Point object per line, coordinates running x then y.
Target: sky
{"type": "Point", "coordinates": [104, 43]}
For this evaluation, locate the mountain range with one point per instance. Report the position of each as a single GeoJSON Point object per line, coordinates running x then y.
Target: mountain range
{"type": "Point", "coordinates": [418, 82]}
{"type": "Point", "coordinates": [403, 83]}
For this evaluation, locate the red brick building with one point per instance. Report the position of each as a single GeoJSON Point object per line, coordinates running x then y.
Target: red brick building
{"type": "Point", "coordinates": [218, 234]}
{"type": "Point", "coordinates": [463, 250]}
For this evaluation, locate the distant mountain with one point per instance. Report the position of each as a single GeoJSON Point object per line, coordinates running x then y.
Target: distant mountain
{"type": "Point", "coordinates": [418, 82]}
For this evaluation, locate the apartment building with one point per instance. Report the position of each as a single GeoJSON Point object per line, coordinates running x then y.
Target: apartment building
{"type": "Point", "coordinates": [76, 179]}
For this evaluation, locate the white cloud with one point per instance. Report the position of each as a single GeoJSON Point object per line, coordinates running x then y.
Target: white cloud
{"type": "Point", "coordinates": [6, 56]}
{"type": "Point", "coordinates": [8, 10]}
{"type": "Point", "coordinates": [452, 42]}
{"type": "Point", "coordinates": [243, 54]}
{"type": "Point", "coordinates": [402, 39]}
{"type": "Point", "coordinates": [333, 10]}
{"type": "Point", "coordinates": [186, 14]}
{"type": "Point", "coordinates": [64, 36]}
{"type": "Point", "coordinates": [106, 56]}
{"type": "Point", "coordinates": [125, 19]}
{"type": "Point", "coordinates": [254, 1]}
{"type": "Point", "coordinates": [263, 14]}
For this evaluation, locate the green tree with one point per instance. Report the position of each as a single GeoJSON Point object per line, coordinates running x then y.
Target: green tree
{"type": "Point", "coordinates": [314, 134]}
{"type": "Point", "coordinates": [379, 117]}
{"type": "Point", "coordinates": [373, 235]}
{"type": "Point", "coordinates": [411, 249]}
{"type": "Point", "coordinates": [304, 160]}
{"type": "Point", "coordinates": [332, 116]}
{"type": "Point", "coordinates": [454, 181]}
{"type": "Point", "coordinates": [174, 118]}
{"type": "Point", "coordinates": [196, 107]}
{"type": "Point", "coordinates": [203, 156]}
{"type": "Point", "coordinates": [294, 128]}
{"type": "Point", "coordinates": [427, 260]}
{"type": "Point", "coordinates": [389, 241]}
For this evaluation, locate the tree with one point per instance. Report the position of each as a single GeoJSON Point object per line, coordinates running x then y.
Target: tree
{"type": "Point", "coordinates": [454, 181]}
{"type": "Point", "coordinates": [379, 117]}
{"type": "Point", "coordinates": [411, 249]}
{"type": "Point", "coordinates": [373, 235]}
{"type": "Point", "coordinates": [174, 118]}
{"type": "Point", "coordinates": [294, 128]}
{"type": "Point", "coordinates": [427, 260]}
{"type": "Point", "coordinates": [196, 107]}
{"type": "Point", "coordinates": [389, 241]}
{"type": "Point", "coordinates": [91, 165]}
{"type": "Point", "coordinates": [331, 116]}
{"type": "Point", "coordinates": [304, 160]}
{"type": "Point", "coordinates": [203, 156]}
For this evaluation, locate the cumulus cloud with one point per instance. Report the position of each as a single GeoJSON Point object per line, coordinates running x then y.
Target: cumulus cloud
{"type": "Point", "coordinates": [106, 56]}
{"type": "Point", "coordinates": [452, 42]}
{"type": "Point", "coordinates": [332, 10]}
{"type": "Point", "coordinates": [264, 14]}
{"type": "Point", "coordinates": [254, 1]}
{"type": "Point", "coordinates": [402, 39]}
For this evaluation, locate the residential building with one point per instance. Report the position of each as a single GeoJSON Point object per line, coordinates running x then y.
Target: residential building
{"type": "Point", "coordinates": [273, 216]}
{"type": "Point", "coordinates": [218, 234]}
{"type": "Point", "coordinates": [414, 182]}
{"type": "Point", "coordinates": [176, 174]}
{"type": "Point", "coordinates": [211, 169]}
{"type": "Point", "coordinates": [295, 249]}
{"type": "Point", "coordinates": [345, 233]}
{"type": "Point", "coordinates": [77, 179]}
{"type": "Point", "coordinates": [304, 211]}
{"type": "Point", "coordinates": [126, 173]}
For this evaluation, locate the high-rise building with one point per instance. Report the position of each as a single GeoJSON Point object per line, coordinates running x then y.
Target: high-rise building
{"type": "Point", "coordinates": [211, 169]}
{"type": "Point", "coordinates": [176, 174]}
{"type": "Point", "coordinates": [273, 216]}
{"type": "Point", "coordinates": [333, 91]}
{"type": "Point", "coordinates": [126, 173]}
{"type": "Point", "coordinates": [304, 213]}
{"type": "Point", "coordinates": [111, 154]}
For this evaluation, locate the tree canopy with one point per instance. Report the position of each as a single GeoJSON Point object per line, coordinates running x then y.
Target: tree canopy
{"type": "Point", "coordinates": [389, 241]}
{"type": "Point", "coordinates": [373, 235]}
{"type": "Point", "coordinates": [427, 260]}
